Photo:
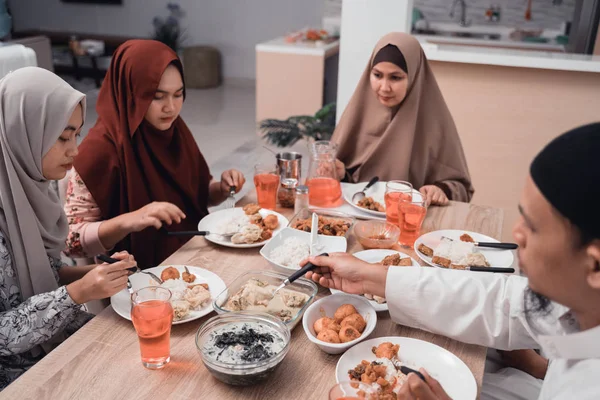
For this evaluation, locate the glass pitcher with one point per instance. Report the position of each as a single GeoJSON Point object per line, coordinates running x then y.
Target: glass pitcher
{"type": "Point", "coordinates": [324, 189]}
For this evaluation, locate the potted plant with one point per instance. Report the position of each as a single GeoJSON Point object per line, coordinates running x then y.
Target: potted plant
{"type": "Point", "coordinates": [168, 30]}
{"type": "Point", "coordinates": [284, 133]}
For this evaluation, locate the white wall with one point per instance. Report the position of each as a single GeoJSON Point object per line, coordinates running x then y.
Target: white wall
{"type": "Point", "coordinates": [233, 26]}
{"type": "Point", "coordinates": [364, 22]}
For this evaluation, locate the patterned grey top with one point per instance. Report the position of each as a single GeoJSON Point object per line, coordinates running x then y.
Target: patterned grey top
{"type": "Point", "coordinates": [25, 326]}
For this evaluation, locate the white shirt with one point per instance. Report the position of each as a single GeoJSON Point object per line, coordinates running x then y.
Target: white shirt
{"type": "Point", "coordinates": [488, 309]}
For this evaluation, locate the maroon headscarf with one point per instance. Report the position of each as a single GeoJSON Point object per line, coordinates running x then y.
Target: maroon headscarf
{"type": "Point", "coordinates": [126, 163]}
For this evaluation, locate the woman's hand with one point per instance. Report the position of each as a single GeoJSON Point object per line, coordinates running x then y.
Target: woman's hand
{"type": "Point", "coordinates": [416, 389]}
{"type": "Point", "coordinates": [153, 214]}
{"type": "Point", "coordinates": [347, 273]}
{"type": "Point", "coordinates": [103, 281]}
{"type": "Point", "coordinates": [231, 178]}
{"type": "Point", "coordinates": [434, 195]}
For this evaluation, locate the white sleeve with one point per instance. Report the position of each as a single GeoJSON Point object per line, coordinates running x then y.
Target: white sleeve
{"type": "Point", "coordinates": [472, 307]}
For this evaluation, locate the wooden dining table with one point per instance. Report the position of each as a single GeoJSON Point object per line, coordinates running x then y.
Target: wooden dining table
{"type": "Point", "coordinates": [102, 359]}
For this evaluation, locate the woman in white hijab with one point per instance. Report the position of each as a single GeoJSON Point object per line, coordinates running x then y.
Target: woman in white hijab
{"type": "Point", "coordinates": [40, 118]}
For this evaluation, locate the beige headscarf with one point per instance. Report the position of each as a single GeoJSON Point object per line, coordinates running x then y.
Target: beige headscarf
{"type": "Point", "coordinates": [416, 141]}
{"type": "Point", "coordinates": [35, 107]}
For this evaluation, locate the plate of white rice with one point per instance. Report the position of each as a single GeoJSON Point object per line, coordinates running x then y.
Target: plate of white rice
{"type": "Point", "coordinates": [289, 247]}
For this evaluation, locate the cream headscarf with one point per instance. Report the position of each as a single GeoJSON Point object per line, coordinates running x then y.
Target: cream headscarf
{"type": "Point", "coordinates": [35, 107]}
{"type": "Point", "coordinates": [416, 141]}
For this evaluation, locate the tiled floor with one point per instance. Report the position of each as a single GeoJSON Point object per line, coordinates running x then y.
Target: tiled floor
{"type": "Point", "coordinates": [222, 121]}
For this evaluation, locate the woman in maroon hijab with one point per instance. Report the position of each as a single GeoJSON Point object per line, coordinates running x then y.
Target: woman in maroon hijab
{"type": "Point", "coordinates": [139, 168]}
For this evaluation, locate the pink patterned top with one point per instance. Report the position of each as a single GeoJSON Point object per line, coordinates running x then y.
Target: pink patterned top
{"type": "Point", "coordinates": [84, 220]}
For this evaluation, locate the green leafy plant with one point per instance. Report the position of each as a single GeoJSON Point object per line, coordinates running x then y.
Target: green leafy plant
{"type": "Point", "coordinates": [168, 30]}
{"type": "Point", "coordinates": [284, 133]}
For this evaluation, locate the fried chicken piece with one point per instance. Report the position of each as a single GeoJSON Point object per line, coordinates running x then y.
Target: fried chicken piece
{"type": "Point", "coordinates": [187, 276]}
{"type": "Point", "coordinates": [348, 333]}
{"type": "Point", "coordinates": [326, 323]}
{"type": "Point", "coordinates": [386, 350]}
{"type": "Point", "coordinates": [271, 222]}
{"type": "Point", "coordinates": [329, 336]}
{"type": "Point", "coordinates": [356, 321]}
{"type": "Point", "coordinates": [169, 273]}
{"type": "Point", "coordinates": [266, 234]}
{"type": "Point", "coordinates": [392, 259]}
{"type": "Point", "coordinates": [428, 251]}
{"type": "Point", "coordinates": [251, 209]}
{"type": "Point", "coordinates": [444, 262]}
{"type": "Point", "coordinates": [343, 311]}
{"type": "Point", "coordinates": [466, 238]}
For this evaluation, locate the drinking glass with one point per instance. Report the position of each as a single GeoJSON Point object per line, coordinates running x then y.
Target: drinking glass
{"type": "Point", "coordinates": [394, 192]}
{"type": "Point", "coordinates": [152, 316]}
{"type": "Point", "coordinates": [266, 180]}
{"type": "Point", "coordinates": [411, 215]}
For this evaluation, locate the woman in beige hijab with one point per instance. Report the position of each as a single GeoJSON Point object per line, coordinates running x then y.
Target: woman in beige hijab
{"type": "Point", "coordinates": [40, 297]}
{"type": "Point", "coordinates": [397, 126]}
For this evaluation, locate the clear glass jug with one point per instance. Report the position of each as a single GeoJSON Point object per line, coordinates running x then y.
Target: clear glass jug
{"type": "Point", "coordinates": [324, 189]}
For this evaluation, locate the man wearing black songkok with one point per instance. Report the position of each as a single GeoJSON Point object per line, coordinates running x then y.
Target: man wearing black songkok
{"type": "Point", "coordinates": [556, 307]}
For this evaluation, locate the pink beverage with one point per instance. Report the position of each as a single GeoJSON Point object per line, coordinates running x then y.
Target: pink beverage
{"type": "Point", "coordinates": [410, 219]}
{"type": "Point", "coordinates": [152, 316]}
{"type": "Point", "coordinates": [324, 192]}
{"type": "Point", "coordinates": [395, 192]}
{"type": "Point", "coordinates": [266, 180]}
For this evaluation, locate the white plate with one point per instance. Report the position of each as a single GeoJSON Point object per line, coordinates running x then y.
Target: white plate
{"type": "Point", "coordinates": [211, 221]}
{"type": "Point", "coordinates": [372, 257]}
{"type": "Point", "coordinates": [453, 374]}
{"type": "Point", "coordinates": [121, 302]}
{"type": "Point", "coordinates": [496, 257]}
{"type": "Point", "coordinates": [377, 192]}
{"type": "Point", "coordinates": [325, 244]}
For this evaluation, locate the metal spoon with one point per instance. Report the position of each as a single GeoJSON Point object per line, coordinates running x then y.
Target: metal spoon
{"type": "Point", "coordinates": [200, 233]}
{"type": "Point", "coordinates": [358, 196]}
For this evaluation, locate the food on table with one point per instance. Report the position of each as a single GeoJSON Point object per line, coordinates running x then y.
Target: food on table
{"type": "Point", "coordinates": [466, 238]}
{"type": "Point", "coordinates": [371, 204]}
{"type": "Point", "coordinates": [344, 311]}
{"type": "Point", "coordinates": [356, 321]}
{"type": "Point", "coordinates": [271, 222]}
{"type": "Point", "coordinates": [169, 273]}
{"type": "Point", "coordinates": [248, 225]}
{"type": "Point", "coordinates": [326, 323]}
{"type": "Point", "coordinates": [329, 336]}
{"type": "Point", "coordinates": [348, 333]}
{"type": "Point", "coordinates": [395, 260]}
{"type": "Point", "coordinates": [455, 254]}
{"type": "Point", "coordinates": [243, 343]}
{"type": "Point", "coordinates": [427, 251]}
{"type": "Point", "coordinates": [257, 295]}
{"type": "Point", "coordinates": [251, 209]}
{"type": "Point", "coordinates": [382, 375]}
{"type": "Point", "coordinates": [290, 253]}
{"type": "Point", "coordinates": [186, 276]}
{"type": "Point", "coordinates": [346, 325]}
{"type": "Point", "coordinates": [247, 235]}
{"type": "Point", "coordinates": [186, 296]}
{"type": "Point", "coordinates": [327, 226]}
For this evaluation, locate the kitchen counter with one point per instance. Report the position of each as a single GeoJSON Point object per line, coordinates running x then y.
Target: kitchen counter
{"type": "Point", "coordinates": [318, 48]}
{"type": "Point", "coordinates": [460, 53]}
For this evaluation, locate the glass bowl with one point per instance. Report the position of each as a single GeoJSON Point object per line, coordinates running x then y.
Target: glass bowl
{"type": "Point", "coordinates": [373, 234]}
{"type": "Point", "coordinates": [239, 373]}
{"type": "Point", "coordinates": [301, 285]}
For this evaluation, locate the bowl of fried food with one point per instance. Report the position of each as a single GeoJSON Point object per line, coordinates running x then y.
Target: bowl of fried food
{"type": "Point", "coordinates": [373, 234]}
{"type": "Point", "coordinates": [337, 322]}
{"type": "Point", "coordinates": [331, 223]}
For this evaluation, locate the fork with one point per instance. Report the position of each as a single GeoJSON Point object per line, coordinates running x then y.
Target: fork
{"type": "Point", "coordinates": [230, 202]}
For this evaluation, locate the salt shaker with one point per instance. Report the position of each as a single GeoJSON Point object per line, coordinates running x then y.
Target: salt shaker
{"type": "Point", "coordinates": [301, 198]}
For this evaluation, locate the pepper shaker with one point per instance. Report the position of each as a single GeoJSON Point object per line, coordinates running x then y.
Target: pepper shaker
{"type": "Point", "coordinates": [301, 198]}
